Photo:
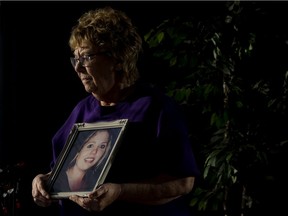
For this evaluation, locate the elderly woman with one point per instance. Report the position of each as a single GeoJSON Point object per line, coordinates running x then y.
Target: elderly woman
{"type": "Point", "coordinates": [155, 167]}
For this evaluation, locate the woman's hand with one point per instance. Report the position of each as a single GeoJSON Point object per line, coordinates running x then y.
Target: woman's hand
{"type": "Point", "coordinates": [99, 199]}
{"type": "Point", "coordinates": [39, 194]}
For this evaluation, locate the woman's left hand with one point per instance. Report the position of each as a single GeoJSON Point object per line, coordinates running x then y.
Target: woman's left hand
{"type": "Point", "coordinates": [99, 199]}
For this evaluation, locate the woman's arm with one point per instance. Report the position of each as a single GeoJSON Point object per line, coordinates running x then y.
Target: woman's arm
{"type": "Point", "coordinates": [156, 193]}
{"type": "Point", "coordinates": [159, 191]}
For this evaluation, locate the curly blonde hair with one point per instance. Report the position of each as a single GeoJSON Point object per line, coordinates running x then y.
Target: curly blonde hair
{"type": "Point", "coordinates": [112, 30]}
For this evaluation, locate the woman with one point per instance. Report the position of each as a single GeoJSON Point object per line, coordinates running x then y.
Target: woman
{"type": "Point", "coordinates": [154, 168]}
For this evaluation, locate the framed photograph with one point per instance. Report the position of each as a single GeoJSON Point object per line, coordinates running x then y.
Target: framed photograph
{"type": "Point", "coordinates": [86, 158]}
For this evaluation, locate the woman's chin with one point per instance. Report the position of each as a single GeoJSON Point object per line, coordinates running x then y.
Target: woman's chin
{"type": "Point", "coordinates": [90, 89]}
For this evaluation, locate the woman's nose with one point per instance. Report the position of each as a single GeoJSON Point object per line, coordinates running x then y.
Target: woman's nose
{"type": "Point", "coordinates": [94, 150]}
{"type": "Point", "coordinates": [79, 68]}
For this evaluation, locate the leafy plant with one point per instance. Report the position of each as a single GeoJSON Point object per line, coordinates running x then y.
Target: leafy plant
{"type": "Point", "coordinates": [205, 61]}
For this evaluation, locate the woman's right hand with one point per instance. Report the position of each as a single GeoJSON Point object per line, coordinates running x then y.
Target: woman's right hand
{"type": "Point", "coordinates": [40, 196]}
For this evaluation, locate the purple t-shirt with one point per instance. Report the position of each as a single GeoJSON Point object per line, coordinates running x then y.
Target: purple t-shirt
{"type": "Point", "coordinates": [155, 142]}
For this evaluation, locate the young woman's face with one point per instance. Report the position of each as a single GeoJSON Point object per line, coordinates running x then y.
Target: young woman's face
{"type": "Point", "coordinates": [93, 150]}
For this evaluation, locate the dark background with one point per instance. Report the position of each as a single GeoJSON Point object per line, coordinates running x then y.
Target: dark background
{"type": "Point", "coordinates": [38, 86]}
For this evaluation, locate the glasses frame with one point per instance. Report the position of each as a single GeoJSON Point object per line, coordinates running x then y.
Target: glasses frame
{"type": "Point", "coordinates": [86, 59]}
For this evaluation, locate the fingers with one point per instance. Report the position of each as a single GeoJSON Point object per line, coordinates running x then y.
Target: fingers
{"type": "Point", "coordinates": [100, 198]}
{"type": "Point", "coordinates": [88, 203]}
{"type": "Point", "coordinates": [39, 194]}
{"type": "Point", "coordinates": [42, 201]}
{"type": "Point", "coordinates": [38, 191]}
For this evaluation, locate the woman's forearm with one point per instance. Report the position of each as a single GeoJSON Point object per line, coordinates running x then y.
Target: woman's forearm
{"type": "Point", "coordinates": [156, 193]}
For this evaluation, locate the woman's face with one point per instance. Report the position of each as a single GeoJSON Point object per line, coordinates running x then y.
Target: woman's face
{"type": "Point", "coordinates": [98, 77]}
{"type": "Point", "coordinates": [93, 150]}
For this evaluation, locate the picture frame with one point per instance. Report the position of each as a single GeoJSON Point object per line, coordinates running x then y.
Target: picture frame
{"type": "Point", "coordinates": [95, 156]}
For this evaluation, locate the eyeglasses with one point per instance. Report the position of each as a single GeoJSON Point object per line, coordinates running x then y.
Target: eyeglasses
{"type": "Point", "coordinates": [85, 60]}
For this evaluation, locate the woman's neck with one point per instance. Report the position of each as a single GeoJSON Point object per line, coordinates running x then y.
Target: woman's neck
{"type": "Point", "coordinates": [74, 178]}
{"type": "Point", "coordinates": [114, 96]}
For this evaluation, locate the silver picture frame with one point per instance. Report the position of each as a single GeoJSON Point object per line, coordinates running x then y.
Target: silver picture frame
{"type": "Point", "coordinates": [58, 184]}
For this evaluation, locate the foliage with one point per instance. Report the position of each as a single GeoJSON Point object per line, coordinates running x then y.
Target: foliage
{"type": "Point", "coordinates": [210, 65]}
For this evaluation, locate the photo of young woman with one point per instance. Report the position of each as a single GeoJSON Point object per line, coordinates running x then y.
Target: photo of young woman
{"type": "Point", "coordinates": [82, 171]}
